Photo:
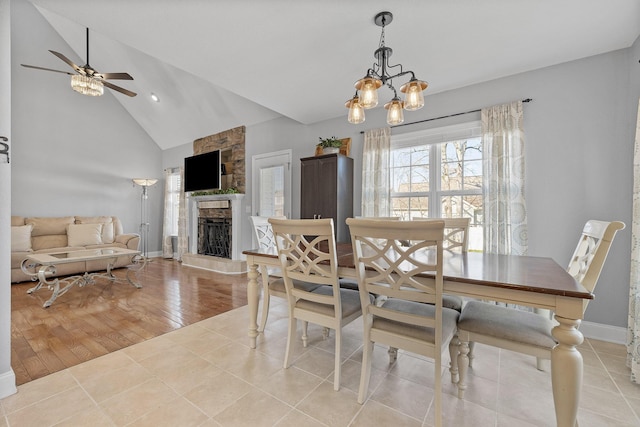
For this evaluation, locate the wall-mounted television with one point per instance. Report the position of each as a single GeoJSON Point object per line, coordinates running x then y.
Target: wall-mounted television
{"type": "Point", "coordinates": [202, 172]}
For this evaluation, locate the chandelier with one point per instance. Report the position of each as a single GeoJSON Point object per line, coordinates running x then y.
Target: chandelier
{"type": "Point", "coordinates": [378, 75]}
{"type": "Point", "coordinates": [86, 85]}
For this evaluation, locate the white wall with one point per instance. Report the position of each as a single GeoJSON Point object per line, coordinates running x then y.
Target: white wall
{"type": "Point", "coordinates": [579, 147]}
{"type": "Point", "coordinates": [73, 154]}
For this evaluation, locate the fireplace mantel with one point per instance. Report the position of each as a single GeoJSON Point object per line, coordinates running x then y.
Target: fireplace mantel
{"type": "Point", "coordinates": [236, 229]}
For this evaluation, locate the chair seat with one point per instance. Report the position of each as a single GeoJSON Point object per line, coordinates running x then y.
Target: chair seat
{"type": "Point", "coordinates": [348, 284]}
{"type": "Point", "coordinates": [449, 320]}
{"type": "Point", "coordinates": [278, 285]}
{"type": "Point", "coordinates": [350, 302]}
{"type": "Point", "coordinates": [453, 302]}
{"type": "Point", "coordinates": [507, 323]}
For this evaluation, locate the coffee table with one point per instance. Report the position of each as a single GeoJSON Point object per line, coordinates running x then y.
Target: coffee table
{"type": "Point", "coordinates": [42, 266]}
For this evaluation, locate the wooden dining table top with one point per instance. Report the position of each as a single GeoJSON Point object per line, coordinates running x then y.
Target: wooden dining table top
{"type": "Point", "coordinates": [524, 273]}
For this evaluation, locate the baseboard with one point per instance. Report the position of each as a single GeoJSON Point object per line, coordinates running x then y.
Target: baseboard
{"type": "Point", "coordinates": [602, 332]}
{"type": "Point", "coordinates": [7, 384]}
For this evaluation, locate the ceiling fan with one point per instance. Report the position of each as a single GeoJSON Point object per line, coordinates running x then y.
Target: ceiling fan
{"type": "Point", "coordinates": [88, 81]}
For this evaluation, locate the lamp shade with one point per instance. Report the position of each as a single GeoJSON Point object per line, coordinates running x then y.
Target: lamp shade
{"type": "Point", "coordinates": [414, 99]}
{"type": "Point", "coordinates": [87, 85]}
{"type": "Point", "coordinates": [356, 112]}
{"type": "Point", "coordinates": [144, 182]}
{"type": "Point", "coordinates": [395, 116]}
{"type": "Point", "coordinates": [368, 87]}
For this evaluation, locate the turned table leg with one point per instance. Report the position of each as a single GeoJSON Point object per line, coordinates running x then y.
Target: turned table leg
{"type": "Point", "coordinates": [566, 371]}
{"type": "Point", "coordinates": [252, 299]}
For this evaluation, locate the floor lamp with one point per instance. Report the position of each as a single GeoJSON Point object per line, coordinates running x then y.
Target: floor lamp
{"type": "Point", "coordinates": [145, 183]}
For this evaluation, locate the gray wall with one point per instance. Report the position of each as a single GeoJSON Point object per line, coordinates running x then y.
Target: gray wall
{"type": "Point", "coordinates": [579, 146]}
{"type": "Point", "coordinates": [73, 154]}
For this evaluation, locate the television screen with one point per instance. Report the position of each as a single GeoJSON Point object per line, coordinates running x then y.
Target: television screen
{"type": "Point", "coordinates": [202, 172]}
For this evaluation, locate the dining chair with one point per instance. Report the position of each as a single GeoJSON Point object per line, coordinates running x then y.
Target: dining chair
{"type": "Point", "coordinates": [272, 283]}
{"type": "Point", "coordinates": [523, 331]}
{"type": "Point", "coordinates": [307, 253]}
{"type": "Point", "coordinates": [412, 317]}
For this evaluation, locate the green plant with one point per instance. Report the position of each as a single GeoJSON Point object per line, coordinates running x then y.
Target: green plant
{"type": "Point", "coordinates": [330, 142]}
{"type": "Point", "coordinates": [230, 190]}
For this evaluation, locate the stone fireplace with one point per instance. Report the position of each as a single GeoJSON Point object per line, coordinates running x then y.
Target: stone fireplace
{"type": "Point", "coordinates": [215, 233]}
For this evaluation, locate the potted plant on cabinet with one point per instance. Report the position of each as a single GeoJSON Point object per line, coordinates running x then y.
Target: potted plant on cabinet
{"type": "Point", "coordinates": [330, 145]}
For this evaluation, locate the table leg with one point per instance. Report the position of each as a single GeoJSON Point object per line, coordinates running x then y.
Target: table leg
{"type": "Point", "coordinates": [566, 371]}
{"type": "Point", "coordinates": [252, 299]}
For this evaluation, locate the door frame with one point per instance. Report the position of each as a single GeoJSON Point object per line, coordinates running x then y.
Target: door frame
{"type": "Point", "coordinates": [255, 177]}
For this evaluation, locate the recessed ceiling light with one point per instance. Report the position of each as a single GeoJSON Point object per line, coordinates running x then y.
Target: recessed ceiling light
{"type": "Point", "coordinates": [155, 98]}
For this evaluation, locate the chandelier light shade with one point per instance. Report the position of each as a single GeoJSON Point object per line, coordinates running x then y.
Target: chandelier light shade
{"type": "Point", "coordinates": [85, 85]}
{"type": "Point", "coordinates": [356, 110]}
{"type": "Point", "coordinates": [379, 75]}
{"type": "Point", "coordinates": [145, 183]}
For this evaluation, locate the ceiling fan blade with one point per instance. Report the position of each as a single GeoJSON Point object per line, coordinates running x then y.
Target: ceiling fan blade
{"type": "Point", "coordinates": [68, 61]}
{"type": "Point", "coordinates": [47, 69]}
{"type": "Point", "coordinates": [119, 89]}
{"type": "Point", "coordinates": [114, 76]}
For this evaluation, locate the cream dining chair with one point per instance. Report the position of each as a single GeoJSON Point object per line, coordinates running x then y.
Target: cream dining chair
{"type": "Point", "coordinates": [527, 332]}
{"type": "Point", "coordinates": [412, 317]}
{"type": "Point", "coordinates": [307, 252]}
{"type": "Point", "coordinates": [272, 283]}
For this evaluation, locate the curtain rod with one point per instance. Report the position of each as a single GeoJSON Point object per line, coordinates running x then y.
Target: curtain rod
{"type": "Point", "coordinates": [445, 117]}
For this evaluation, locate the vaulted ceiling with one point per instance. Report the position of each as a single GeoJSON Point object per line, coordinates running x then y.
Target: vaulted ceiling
{"type": "Point", "coordinates": [224, 63]}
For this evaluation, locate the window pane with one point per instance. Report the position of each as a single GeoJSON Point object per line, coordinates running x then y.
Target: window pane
{"type": "Point", "coordinates": [400, 179]}
{"type": "Point", "coordinates": [272, 191]}
{"type": "Point", "coordinates": [420, 178]}
{"type": "Point", "coordinates": [473, 174]}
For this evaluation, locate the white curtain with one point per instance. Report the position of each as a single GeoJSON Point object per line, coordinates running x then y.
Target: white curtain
{"type": "Point", "coordinates": [505, 214]}
{"type": "Point", "coordinates": [183, 236]}
{"type": "Point", "coordinates": [167, 246]}
{"type": "Point", "coordinates": [375, 172]}
{"type": "Point", "coordinates": [633, 333]}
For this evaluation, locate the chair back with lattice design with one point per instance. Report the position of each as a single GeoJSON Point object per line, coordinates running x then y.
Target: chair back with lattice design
{"type": "Point", "coordinates": [590, 254]}
{"type": "Point", "coordinates": [386, 266]}
{"type": "Point", "coordinates": [263, 232]}
{"type": "Point", "coordinates": [456, 232]}
{"type": "Point", "coordinates": [307, 252]}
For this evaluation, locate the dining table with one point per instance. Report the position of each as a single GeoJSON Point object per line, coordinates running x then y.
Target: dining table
{"type": "Point", "coordinates": [537, 282]}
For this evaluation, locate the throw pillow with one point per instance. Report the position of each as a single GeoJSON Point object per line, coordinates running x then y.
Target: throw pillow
{"type": "Point", "coordinates": [107, 226]}
{"type": "Point", "coordinates": [21, 238]}
{"type": "Point", "coordinates": [84, 234]}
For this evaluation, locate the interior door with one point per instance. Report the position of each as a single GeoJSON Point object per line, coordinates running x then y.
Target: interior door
{"type": "Point", "coordinates": [271, 177]}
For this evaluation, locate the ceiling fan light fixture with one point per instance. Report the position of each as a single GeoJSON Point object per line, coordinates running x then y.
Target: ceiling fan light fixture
{"type": "Point", "coordinates": [87, 85]}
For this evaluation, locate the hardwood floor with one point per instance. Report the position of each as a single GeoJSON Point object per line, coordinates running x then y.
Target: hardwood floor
{"type": "Point", "coordinates": [98, 319]}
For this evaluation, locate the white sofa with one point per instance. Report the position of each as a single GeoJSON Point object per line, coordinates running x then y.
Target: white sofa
{"type": "Point", "coordinates": [58, 234]}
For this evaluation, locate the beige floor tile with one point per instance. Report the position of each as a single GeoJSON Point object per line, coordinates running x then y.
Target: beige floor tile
{"type": "Point", "coordinates": [136, 402]}
{"type": "Point", "coordinates": [350, 376]}
{"type": "Point", "coordinates": [254, 409]}
{"type": "Point", "coordinates": [116, 381]}
{"type": "Point", "coordinates": [612, 405]}
{"type": "Point", "coordinates": [93, 417]}
{"type": "Point", "coordinates": [3, 421]}
{"type": "Point", "coordinates": [296, 418]}
{"type": "Point", "coordinates": [218, 393]}
{"type": "Point", "coordinates": [461, 413]}
{"type": "Point", "coordinates": [199, 340]}
{"type": "Point", "coordinates": [417, 370]}
{"type": "Point", "coordinates": [290, 385]}
{"type": "Point", "coordinates": [375, 414]}
{"type": "Point", "coordinates": [149, 348]}
{"type": "Point", "coordinates": [176, 356]}
{"type": "Point", "coordinates": [479, 390]}
{"type": "Point", "coordinates": [343, 405]}
{"type": "Point", "coordinates": [404, 396]}
{"type": "Point", "coordinates": [590, 419]}
{"type": "Point", "coordinates": [608, 348]}
{"type": "Point", "coordinates": [40, 389]}
{"type": "Point", "coordinates": [507, 421]}
{"type": "Point", "coordinates": [615, 364]}
{"type": "Point", "coordinates": [184, 378]}
{"type": "Point", "coordinates": [179, 412]}
{"type": "Point", "coordinates": [100, 365]}
{"type": "Point", "coordinates": [316, 361]}
{"type": "Point", "coordinates": [253, 366]}
{"type": "Point", "coordinates": [52, 409]}
{"type": "Point", "coordinates": [629, 389]}
{"type": "Point", "coordinates": [528, 402]}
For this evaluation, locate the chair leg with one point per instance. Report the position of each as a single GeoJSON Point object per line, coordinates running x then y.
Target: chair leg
{"type": "Point", "coordinates": [305, 337]}
{"type": "Point", "coordinates": [393, 355]}
{"type": "Point", "coordinates": [471, 353]}
{"type": "Point", "coordinates": [325, 333]}
{"type": "Point", "coordinates": [463, 365]}
{"type": "Point", "coordinates": [365, 372]}
{"type": "Point", "coordinates": [293, 324]}
{"type": "Point", "coordinates": [338, 361]}
{"type": "Point", "coordinates": [454, 345]}
{"type": "Point", "coordinates": [266, 298]}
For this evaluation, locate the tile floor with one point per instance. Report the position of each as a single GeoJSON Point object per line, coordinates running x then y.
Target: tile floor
{"type": "Point", "coordinates": [206, 375]}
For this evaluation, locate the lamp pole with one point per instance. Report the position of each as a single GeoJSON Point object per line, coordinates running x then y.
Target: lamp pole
{"type": "Point", "coordinates": [145, 183]}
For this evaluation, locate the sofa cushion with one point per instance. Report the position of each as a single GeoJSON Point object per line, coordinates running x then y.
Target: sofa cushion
{"type": "Point", "coordinates": [49, 226]}
{"type": "Point", "coordinates": [47, 242]}
{"type": "Point", "coordinates": [17, 220]}
{"type": "Point", "coordinates": [84, 234]}
{"type": "Point", "coordinates": [108, 234]}
{"type": "Point", "coordinates": [21, 238]}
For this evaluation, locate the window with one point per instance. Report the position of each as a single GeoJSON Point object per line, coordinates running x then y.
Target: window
{"type": "Point", "coordinates": [173, 203]}
{"type": "Point", "coordinates": [438, 174]}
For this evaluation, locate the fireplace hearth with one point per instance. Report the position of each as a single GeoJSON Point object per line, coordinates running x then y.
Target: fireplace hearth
{"type": "Point", "coordinates": [214, 237]}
